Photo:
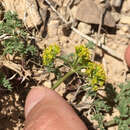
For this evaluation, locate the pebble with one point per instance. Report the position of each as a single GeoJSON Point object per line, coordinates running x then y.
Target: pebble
{"type": "Point", "coordinates": [84, 28]}
{"type": "Point", "coordinates": [47, 84]}
{"type": "Point", "coordinates": [125, 19]}
{"type": "Point", "coordinates": [125, 28]}
{"type": "Point", "coordinates": [126, 6]}
{"type": "Point", "coordinates": [116, 16]}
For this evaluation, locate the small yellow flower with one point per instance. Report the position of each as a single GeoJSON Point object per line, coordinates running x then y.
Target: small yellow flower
{"type": "Point", "coordinates": [95, 88]}
{"type": "Point", "coordinates": [49, 54]}
{"type": "Point", "coordinates": [82, 53]}
{"type": "Point", "coordinates": [95, 75]}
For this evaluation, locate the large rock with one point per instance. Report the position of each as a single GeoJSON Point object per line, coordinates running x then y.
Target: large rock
{"type": "Point", "coordinates": [27, 10]}
{"type": "Point", "coordinates": [89, 12]}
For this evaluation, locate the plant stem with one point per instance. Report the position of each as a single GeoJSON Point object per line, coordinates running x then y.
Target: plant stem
{"type": "Point", "coordinates": [63, 78]}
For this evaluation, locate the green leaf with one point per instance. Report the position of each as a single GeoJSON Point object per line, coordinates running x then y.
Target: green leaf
{"type": "Point", "coordinates": [66, 58]}
{"type": "Point", "coordinates": [17, 43]}
{"type": "Point", "coordinates": [90, 45]}
{"type": "Point", "coordinates": [4, 82]}
{"type": "Point", "coordinates": [123, 108]}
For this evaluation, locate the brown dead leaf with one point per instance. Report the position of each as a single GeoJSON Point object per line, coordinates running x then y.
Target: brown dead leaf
{"type": "Point", "coordinates": [89, 12]}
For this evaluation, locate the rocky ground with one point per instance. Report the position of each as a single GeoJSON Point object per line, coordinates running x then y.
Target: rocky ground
{"type": "Point", "coordinates": [54, 22]}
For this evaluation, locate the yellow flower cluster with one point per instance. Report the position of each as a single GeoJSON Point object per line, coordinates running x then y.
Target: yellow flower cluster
{"type": "Point", "coordinates": [93, 72]}
{"type": "Point", "coordinates": [82, 53]}
{"type": "Point", "coordinates": [95, 75]}
{"type": "Point", "coordinates": [49, 54]}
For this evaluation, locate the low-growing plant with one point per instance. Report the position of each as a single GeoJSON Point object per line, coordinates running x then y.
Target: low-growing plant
{"type": "Point", "coordinates": [4, 82]}
{"type": "Point", "coordinates": [121, 102]}
{"type": "Point", "coordinates": [14, 40]}
{"type": "Point", "coordinates": [94, 78]}
{"type": "Point", "coordinates": [78, 62]}
{"type": "Point", "coordinates": [16, 37]}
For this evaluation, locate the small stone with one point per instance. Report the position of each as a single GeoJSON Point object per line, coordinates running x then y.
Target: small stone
{"type": "Point", "coordinates": [116, 3]}
{"type": "Point", "coordinates": [101, 1]}
{"type": "Point", "coordinates": [69, 97]}
{"type": "Point", "coordinates": [84, 28]}
{"type": "Point", "coordinates": [125, 19]}
{"type": "Point", "coordinates": [120, 32]}
{"type": "Point", "coordinates": [116, 16]}
{"type": "Point", "coordinates": [61, 89]}
{"type": "Point", "coordinates": [47, 84]}
{"type": "Point", "coordinates": [125, 28]}
{"type": "Point", "coordinates": [126, 6]}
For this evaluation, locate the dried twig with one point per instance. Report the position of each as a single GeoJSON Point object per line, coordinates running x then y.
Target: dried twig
{"type": "Point", "coordinates": [76, 93]}
{"type": "Point", "coordinates": [17, 68]}
{"type": "Point", "coordinates": [4, 37]}
{"type": "Point", "coordinates": [103, 13]}
{"type": "Point", "coordinates": [105, 48]}
{"type": "Point", "coordinates": [12, 77]}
